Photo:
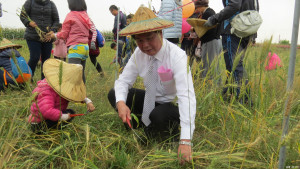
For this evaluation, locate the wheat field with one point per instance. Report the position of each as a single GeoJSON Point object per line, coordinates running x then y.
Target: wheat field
{"type": "Point", "coordinates": [227, 135]}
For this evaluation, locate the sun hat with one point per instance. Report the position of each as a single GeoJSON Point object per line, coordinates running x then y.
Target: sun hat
{"type": "Point", "coordinates": [144, 21]}
{"type": "Point", "coordinates": [197, 24]}
{"type": "Point", "coordinates": [8, 44]}
{"type": "Point", "coordinates": [72, 87]}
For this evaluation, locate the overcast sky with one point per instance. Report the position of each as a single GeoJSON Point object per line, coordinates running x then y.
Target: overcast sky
{"type": "Point", "coordinates": [277, 14]}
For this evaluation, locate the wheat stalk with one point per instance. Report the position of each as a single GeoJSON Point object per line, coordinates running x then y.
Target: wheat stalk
{"type": "Point", "coordinates": [292, 134]}
{"type": "Point", "coordinates": [22, 13]}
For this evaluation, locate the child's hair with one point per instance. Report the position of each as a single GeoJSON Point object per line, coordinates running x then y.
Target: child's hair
{"type": "Point", "coordinates": [130, 16]}
{"type": "Point", "coordinates": [129, 19]}
{"type": "Point", "coordinates": [113, 45]}
{"type": "Point", "coordinates": [59, 26]}
{"type": "Point", "coordinates": [77, 5]}
{"type": "Point", "coordinates": [113, 7]}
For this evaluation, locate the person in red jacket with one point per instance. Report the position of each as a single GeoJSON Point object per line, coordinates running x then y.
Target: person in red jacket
{"type": "Point", "coordinates": [52, 95]}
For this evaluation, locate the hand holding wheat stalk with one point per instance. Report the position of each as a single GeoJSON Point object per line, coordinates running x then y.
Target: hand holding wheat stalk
{"type": "Point", "coordinates": [42, 34]}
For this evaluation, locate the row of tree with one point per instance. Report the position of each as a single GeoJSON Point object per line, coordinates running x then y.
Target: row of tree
{"type": "Point", "coordinates": [18, 33]}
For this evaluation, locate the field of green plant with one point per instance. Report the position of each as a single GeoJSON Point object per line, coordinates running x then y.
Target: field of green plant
{"type": "Point", "coordinates": [12, 33]}
{"type": "Point", "coordinates": [18, 33]}
{"type": "Point", "coordinates": [227, 135]}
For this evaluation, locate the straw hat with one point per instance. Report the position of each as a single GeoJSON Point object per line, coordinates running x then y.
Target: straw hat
{"type": "Point", "coordinates": [144, 21]}
{"type": "Point", "coordinates": [198, 26]}
{"type": "Point", "coordinates": [8, 44]}
{"type": "Point", "coordinates": [72, 87]}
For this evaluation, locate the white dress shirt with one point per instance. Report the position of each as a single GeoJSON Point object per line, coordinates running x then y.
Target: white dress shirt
{"type": "Point", "coordinates": [171, 57]}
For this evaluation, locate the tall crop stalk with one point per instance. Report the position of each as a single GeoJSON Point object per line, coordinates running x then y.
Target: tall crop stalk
{"type": "Point", "coordinates": [8, 135]}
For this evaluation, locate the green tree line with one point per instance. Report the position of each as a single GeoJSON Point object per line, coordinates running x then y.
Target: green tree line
{"type": "Point", "coordinates": [18, 33]}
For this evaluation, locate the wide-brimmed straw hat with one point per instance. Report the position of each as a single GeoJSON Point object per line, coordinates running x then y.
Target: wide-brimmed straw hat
{"type": "Point", "coordinates": [8, 44]}
{"type": "Point", "coordinates": [72, 87]}
{"type": "Point", "coordinates": [144, 21]}
{"type": "Point", "coordinates": [198, 26]}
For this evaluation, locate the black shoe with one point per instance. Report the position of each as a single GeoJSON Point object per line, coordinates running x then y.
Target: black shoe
{"type": "Point", "coordinates": [101, 74]}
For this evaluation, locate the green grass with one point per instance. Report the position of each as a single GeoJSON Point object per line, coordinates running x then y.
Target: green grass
{"type": "Point", "coordinates": [227, 135]}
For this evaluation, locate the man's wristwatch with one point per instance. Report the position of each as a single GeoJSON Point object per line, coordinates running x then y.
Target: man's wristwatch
{"type": "Point", "coordinates": [186, 143]}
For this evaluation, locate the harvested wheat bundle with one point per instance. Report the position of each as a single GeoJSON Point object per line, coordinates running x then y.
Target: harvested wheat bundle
{"type": "Point", "coordinates": [22, 13]}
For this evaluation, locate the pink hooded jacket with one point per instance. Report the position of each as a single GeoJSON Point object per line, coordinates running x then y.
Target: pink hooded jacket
{"type": "Point", "coordinates": [76, 27]}
{"type": "Point", "coordinates": [48, 104]}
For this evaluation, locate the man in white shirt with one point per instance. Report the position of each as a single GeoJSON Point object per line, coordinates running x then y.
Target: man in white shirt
{"type": "Point", "coordinates": [153, 55]}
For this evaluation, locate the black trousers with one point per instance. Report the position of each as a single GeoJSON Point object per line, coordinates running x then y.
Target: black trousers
{"type": "Point", "coordinates": [38, 50]}
{"type": "Point", "coordinates": [164, 117]}
{"type": "Point", "coordinates": [63, 59]}
{"type": "Point", "coordinates": [173, 40]}
{"type": "Point", "coordinates": [96, 63]}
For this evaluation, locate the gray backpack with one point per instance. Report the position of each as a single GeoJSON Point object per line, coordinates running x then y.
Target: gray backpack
{"type": "Point", "coordinates": [246, 23]}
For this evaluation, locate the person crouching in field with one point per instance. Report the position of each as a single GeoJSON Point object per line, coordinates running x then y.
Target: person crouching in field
{"type": "Point", "coordinates": [60, 50]}
{"type": "Point", "coordinates": [165, 72]}
{"type": "Point", "coordinates": [62, 84]}
{"type": "Point", "coordinates": [75, 31]}
{"type": "Point", "coordinates": [10, 74]}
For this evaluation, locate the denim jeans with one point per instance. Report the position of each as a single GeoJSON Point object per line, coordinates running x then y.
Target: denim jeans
{"type": "Point", "coordinates": [38, 50]}
{"type": "Point", "coordinates": [233, 46]}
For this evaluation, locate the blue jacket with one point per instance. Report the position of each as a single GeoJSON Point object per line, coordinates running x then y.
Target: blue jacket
{"type": "Point", "coordinates": [122, 24]}
{"type": "Point", "coordinates": [100, 39]}
{"type": "Point", "coordinates": [175, 16]}
{"type": "Point", "coordinates": [5, 56]}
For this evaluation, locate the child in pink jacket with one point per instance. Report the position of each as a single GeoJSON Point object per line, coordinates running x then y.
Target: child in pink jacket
{"type": "Point", "coordinates": [60, 50]}
{"type": "Point", "coordinates": [49, 107]}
